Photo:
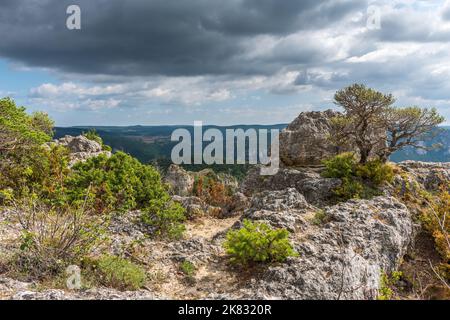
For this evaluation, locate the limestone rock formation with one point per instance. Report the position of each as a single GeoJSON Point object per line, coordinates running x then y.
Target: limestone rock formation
{"type": "Point", "coordinates": [91, 294]}
{"type": "Point", "coordinates": [344, 258]}
{"type": "Point", "coordinates": [315, 188]}
{"type": "Point", "coordinates": [280, 209]}
{"type": "Point", "coordinates": [180, 181]}
{"type": "Point", "coordinates": [80, 147]}
{"type": "Point", "coordinates": [431, 175]}
{"type": "Point", "coordinates": [238, 204]}
{"type": "Point", "coordinates": [305, 140]}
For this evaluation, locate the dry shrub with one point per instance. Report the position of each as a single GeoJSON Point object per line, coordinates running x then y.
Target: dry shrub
{"type": "Point", "coordinates": [212, 191]}
{"type": "Point", "coordinates": [54, 237]}
{"type": "Point", "coordinates": [437, 221]}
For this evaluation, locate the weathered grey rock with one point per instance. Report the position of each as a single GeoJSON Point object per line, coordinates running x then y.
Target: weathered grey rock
{"type": "Point", "coordinates": [305, 140]}
{"type": "Point", "coordinates": [17, 290]}
{"type": "Point", "coordinates": [239, 203]}
{"type": "Point", "coordinates": [316, 189]}
{"type": "Point", "coordinates": [91, 294]}
{"type": "Point", "coordinates": [125, 229]}
{"type": "Point", "coordinates": [280, 209]}
{"type": "Point", "coordinates": [196, 250]}
{"type": "Point", "coordinates": [180, 181]}
{"type": "Point", "coordinates": [10, 286]}
{"type": "Point", "coordinates": [279, 200]}
{"type": "Point", "coordinates": [345, 258]}
{"type": "Point", "coordinates": [81, 148]}
{"type": "Point", "coordinates": [431, 175]}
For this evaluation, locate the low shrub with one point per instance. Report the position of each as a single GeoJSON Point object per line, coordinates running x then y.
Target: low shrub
{"type": "Point", "coordinates": [319, 218]}
{"type": "Point", "coordinates": [359, 181]}
{"type": "Point", "coordinates": [436, 221]}
{"type": "Point", "coordinates": [386, 284]}
{"type": "Point", "coordinates": [21, 139]}
{"type": "Point", "coordinates": [121, 183]}
{"type": "Point", "coordinates": [340, 166]}
{"type": "Point", "coordinates": [258, 242]}
{"type": "Point", "coordinates": [211, 188]}
{"type": "Point", "coordinates": [349, 189]}
{"type": "Point", "coordinates": [118, 183]}
{"type": "Point", "coordinates": [119, 273]}
{"type": "Point", "coordinates": [166, 216]}
{"type": "Point", "coordinates": [376, 172]}
{"type": "Point", "coordinates": [54, 237]}
{"type": "Point", "coordinates": [188, 268]}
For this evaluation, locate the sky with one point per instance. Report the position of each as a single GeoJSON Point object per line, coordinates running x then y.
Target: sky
{"type": "Point", "coordinates": [156, 62]}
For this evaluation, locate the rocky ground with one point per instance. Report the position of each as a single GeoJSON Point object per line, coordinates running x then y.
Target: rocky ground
{"type": "Point", "coordinates": [343, 247]}
{"type": "Point", "coordinates": [341, 256]}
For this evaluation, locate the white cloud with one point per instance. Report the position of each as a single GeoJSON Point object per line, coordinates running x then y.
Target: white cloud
{"type": "Point", "coordinates": [408, 56]}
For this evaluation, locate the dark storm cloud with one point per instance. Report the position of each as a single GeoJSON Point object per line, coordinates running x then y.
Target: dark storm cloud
{"type": "Point", "coordinates": [402, 25]}
{"type": "Point", "coordinates": [142, 37]}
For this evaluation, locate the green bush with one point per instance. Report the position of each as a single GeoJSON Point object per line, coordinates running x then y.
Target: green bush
{"type": "Point", "coordinates": [119, 273]}
{"type": "Point", "coordinates": [387, 283]}
{"type": "Point", "coordinates": [21, 151]}
{"type": "Point", "coordinates": [188, 268]}
{"type": "Point", "coordinates": [340, 166]}
{"type": "Point", "coordinates": [319, 217]}
{"type": "Point", "coordinates": [350, 189]}
{"type": "Point", "coordinates": [121, 183]}
{"type": "Point", "coordinates": [166, 216]}
{"type": "Point", "coordinates": [20, 131]}
{"type": "Point", "coordinates": [376, 172]}
{"type": "Point", "coordinates": [257, 242]}
{"type": "Point", "coordinates": [359, 181]}
{"type": "Point", "coordinates": [118, 183]}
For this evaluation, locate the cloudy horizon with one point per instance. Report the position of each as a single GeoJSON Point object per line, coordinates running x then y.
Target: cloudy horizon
{"type": "Point", "coordinates": [222, 62]}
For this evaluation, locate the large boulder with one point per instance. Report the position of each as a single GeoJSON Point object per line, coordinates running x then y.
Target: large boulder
{"type": "Point", "coordinates": [342, 259]}
{"type": "Point", "coordinates": [305, 140]}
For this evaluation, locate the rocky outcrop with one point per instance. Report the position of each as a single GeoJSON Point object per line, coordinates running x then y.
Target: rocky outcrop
{"type": "Point", "coordinates": [181, 184]}
{"type": "Point", "coordinates": [305, 140]}
{"type": "Point", "coordinates": [179, 180]}
{"type": "Point", "coordinates": [80, 147]}
{"type": "Point", "coordinates": [430, 175]}
{"type": "Point", "coordinates": [280, 209]}
{"type": "Point", "coordinates": [316, 189]}
{"type": "Point", "coordinates": [344, 258]}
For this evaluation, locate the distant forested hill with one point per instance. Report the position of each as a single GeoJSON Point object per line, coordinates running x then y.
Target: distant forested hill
{"type": "Point", "coordinates": [152, 143]}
